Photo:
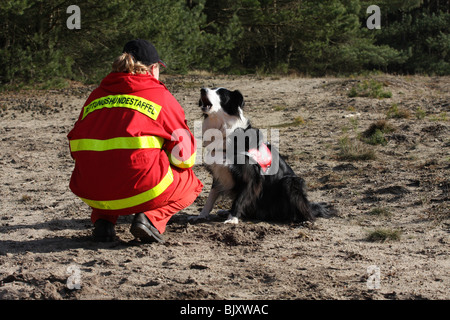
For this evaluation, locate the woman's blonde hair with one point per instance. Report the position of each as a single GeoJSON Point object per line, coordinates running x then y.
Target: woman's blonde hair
{"type": "Point", "coordinates": [126, 63]}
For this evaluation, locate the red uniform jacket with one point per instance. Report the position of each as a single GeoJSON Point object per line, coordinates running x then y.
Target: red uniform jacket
{"type": "Point", "coordinates": [130, 131]}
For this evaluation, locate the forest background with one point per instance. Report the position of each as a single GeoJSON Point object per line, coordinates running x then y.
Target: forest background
{"type": "Point", "coordinates": [312, 38]}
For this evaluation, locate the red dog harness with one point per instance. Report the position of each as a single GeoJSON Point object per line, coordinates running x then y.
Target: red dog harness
{"type": "Point", "coordinates": [262, 156]}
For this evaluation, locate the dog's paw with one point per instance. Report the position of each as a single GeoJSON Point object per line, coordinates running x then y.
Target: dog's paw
{"type": "Point", "coordinates": [232, 220]}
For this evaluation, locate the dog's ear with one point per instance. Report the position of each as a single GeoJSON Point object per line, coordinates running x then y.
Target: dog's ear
{"type": "Point", "coordinates": [239, 98]}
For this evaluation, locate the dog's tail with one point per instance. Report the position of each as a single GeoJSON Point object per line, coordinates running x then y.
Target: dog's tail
{"type": "Point", "coordinates": [320, 210]}
{"type": "Point", "coordinates": [308, 211]}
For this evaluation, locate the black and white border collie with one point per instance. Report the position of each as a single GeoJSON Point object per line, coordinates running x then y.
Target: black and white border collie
{"type": "Point", "coordinates": [248, 169]}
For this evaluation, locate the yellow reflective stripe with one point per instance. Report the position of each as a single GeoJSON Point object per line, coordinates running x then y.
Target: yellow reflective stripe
{"type": "Point", "coordinates": [183, 164]}
{"type": "Point", "coordinates": [144, 106]}
{"type": "Point", "coordinates": [145, 142]}
{"type": "Point", "coordinates": [134, 200]}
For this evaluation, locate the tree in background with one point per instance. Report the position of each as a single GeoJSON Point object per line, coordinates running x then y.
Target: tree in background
{"type": "Point", "coordinates": [29, 41]}
{"type": "Point", "coordinates": [177, 30]}
{"type": "Point", "coordinates": [36, 45]}
{"type": "Point", "coordinates": [420, 30]}
{"type": "Point", "coordinates": [335, 40]}
{"type": "Point", "coordinates": [314, 37]}
{"type": "Point", "coordinates": [230, 36]}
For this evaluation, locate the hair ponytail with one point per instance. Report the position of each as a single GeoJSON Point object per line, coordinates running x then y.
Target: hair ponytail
{"type": "Point", "coordinates": [126, 63]}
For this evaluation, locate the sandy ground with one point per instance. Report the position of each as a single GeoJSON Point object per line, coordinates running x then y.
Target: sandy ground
{"type": "Point", "coordinates": [46, 250]}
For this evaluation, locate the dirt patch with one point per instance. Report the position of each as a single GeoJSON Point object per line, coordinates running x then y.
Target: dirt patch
{"type": "Point", "coordinates": [45, 231]}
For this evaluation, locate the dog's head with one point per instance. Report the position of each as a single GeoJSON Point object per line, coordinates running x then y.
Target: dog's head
{"type": "Point", "coordinates": [218, 100]}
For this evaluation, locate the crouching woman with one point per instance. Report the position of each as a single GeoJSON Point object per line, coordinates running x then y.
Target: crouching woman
{"type": "Point", "coordinates": [133, 150]}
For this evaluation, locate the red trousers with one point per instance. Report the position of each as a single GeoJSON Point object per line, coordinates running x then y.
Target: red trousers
{"type": "Point", "coordinates": [187, 188]}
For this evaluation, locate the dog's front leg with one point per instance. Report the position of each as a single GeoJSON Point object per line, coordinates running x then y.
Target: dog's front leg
{"type": "Point", "coordinates": [245, 202]}
{"type": "Point", "coordinates": [212, 197]}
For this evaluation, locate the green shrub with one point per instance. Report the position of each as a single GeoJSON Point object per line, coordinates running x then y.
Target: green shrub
{"type": "Point", "coordinates": [375, 134]}
{"type": "Point", "coordinates": [397, 112]}
{"type": "Point", "coordinates": [371, 89]}
{"type": "Point", "coordinates": [383, 235]}
{"type": "Point", "coordinates": [354, 150]}
{"type": "Point", "coordinates": [380, 212]}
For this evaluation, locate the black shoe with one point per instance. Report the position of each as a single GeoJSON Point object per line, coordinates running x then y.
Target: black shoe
{"type": "Point", "coordinates": [143, 229]}
{"type": "Point", "coordinates": [104, 231]}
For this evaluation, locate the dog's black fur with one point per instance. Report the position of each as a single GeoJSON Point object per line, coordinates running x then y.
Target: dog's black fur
{"type": "Point", "coordinates": [277, 194]}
